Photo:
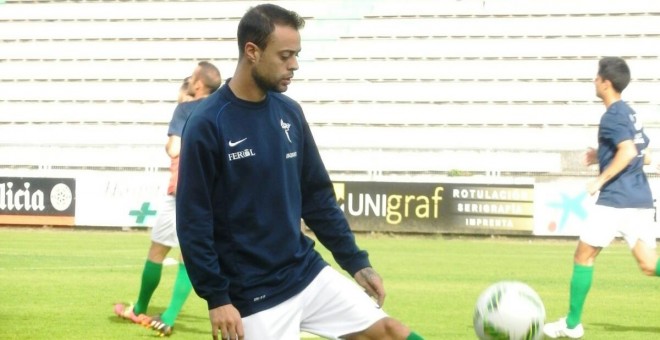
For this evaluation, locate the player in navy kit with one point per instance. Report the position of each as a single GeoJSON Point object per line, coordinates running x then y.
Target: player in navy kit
{"type": "Point", "coordinates": [625, 204]}
{"type": "Point", "coordinates": [249, 172]}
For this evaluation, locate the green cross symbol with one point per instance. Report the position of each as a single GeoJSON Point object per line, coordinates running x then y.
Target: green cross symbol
{"type": "Point", "coordinates": [143, 213]}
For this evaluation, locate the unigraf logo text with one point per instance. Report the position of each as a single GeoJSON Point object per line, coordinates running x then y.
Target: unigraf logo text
{"type": "Point", "coordinates": [20, 198]}
{"type": "Point", "coordinates": [395, 207]}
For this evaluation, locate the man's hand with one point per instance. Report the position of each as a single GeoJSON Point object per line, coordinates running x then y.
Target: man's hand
{"type": "Point", "coordinates": [372, 283]}
{"type": "Point", "coordinates": [594, 186]}
{"type": "Point", "coordinates": [227, 319]}
{"type": "Point", "coordinates": [590, 156]}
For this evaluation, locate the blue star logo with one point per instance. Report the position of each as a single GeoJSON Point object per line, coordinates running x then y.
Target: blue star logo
{"type": "Point", "coordinates": [570, 205]}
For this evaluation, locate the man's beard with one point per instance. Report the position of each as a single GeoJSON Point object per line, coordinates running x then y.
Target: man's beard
{"type": "Point", "coordinates": [262, 83]}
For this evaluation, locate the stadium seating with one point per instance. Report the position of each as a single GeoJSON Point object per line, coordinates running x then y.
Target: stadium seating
{"type": "Point", "coordinates": [390, 88]}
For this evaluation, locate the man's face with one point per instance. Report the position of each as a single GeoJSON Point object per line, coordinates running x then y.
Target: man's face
{"type": "Point", "coordinates": [274, 67]}
{"type": "Point", "coordinates": [194, 83]}
{"type": "Point", "coordinates": [600, 86]}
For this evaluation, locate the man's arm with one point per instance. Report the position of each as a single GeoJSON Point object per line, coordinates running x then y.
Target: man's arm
{"type": "Point", "coordinates": [647, 157]}
{"type": "Point", "coordinates": [322, 214]}
{"type": "Point", "coordinates": [195, 229]}
{"type": "Point", "coordinates": [173, 146]}
{"type": "Point", "coordinates": [626, 151]}
{"type": "Point", "coordinates": [194, 211]}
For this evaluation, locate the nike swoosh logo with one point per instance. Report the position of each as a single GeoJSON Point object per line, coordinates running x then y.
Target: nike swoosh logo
{"type": "Point", "coordinates": [233, 144]}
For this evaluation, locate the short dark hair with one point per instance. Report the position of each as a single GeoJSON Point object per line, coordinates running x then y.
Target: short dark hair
{"type": "Point", "coordinates": [209, 75]}
{"type": "Point", "coordinates": [259, 22]}
{"type": "Point", "coordinates": [616, 71]}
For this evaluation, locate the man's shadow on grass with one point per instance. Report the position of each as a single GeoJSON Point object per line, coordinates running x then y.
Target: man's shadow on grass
{"type": "Point", "coordinates": [621, 328]}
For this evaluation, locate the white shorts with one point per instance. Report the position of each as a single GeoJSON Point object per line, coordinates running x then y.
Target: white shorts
{"type": "Point", "coordinates": [331, 306]}
{"type": "Point", "coordinates": [164, 231]}
{"type": "Point", "coordinates": [606, 223]}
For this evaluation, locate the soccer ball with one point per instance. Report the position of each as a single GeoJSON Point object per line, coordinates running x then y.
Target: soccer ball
{"type": "Point", "coordinates": [509, 310]}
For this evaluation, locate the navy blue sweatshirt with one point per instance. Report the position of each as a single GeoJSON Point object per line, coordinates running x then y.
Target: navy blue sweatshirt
{"type": "Point", "coordinates": [248, 173]}
{"type": "Point", "coordinates": [629, 188]}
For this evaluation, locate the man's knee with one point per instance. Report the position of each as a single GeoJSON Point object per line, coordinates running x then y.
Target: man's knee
{"type": "Point", "coordinates": [157, 252]}
{"type": "Point", "coordinates": [384, 329]}
{"type": "Point", "coordinates": [395, 328]}
{"type": "Point", "coordinates": [646, 258]}
{"type": "Point", "coordinates": [648, 267]}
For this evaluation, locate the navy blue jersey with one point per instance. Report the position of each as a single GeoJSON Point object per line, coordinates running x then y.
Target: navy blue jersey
{"type": "Point", "coordinates": [181, 113]}
{"type": "Point", "coordinates": [630, 188]}
{"type": "Point", "coordinates": [248, 173]}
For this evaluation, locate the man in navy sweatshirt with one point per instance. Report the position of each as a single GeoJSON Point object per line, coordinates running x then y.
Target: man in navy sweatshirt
{"type": "Point", "coordinates": [249, 171]}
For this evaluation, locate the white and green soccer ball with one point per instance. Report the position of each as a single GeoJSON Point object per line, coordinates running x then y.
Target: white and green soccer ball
{"type": "Point", "coordinates": [509, 310]}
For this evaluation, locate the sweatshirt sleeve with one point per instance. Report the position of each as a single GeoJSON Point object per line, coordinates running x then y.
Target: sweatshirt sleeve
{"type": "Point", "coordinates": [198, 168]}
{"type": "Point", "coordinates": [321, 212]}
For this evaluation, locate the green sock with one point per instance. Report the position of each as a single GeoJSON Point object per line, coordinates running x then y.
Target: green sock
{"type": "Point", "coordinates": [150, 280]}
{"type": "Point", "coordinates": [414, 336]}
{"type": "Point", "coordinates": [657, 268]}
{"type": "Point", "coordinates": [580, 285]}
{"type": "Point", "coordinates": [182, 288]}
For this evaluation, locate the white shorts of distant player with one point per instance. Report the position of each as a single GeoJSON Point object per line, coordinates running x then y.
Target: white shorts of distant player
{"type": "Point", "coordinates": [331, 306]}
{"type": "Point", "coordinates": [164, 231]}
{"type": "Point", "coordinates": [606, 223]}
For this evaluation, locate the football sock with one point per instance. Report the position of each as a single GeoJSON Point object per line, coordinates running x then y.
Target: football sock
{"type": "Point", "coordinates": [580, 285]}
{"type": "Point", "coordinates": [150, 280]}
{"type": "Point", "coordinates": [414, 336]}
{"type": "Point", "coordinates": [657, 268]}
{"type": "Point", "coordinates": [182, 288]}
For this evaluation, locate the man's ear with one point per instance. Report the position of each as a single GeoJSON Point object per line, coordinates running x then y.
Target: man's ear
{"type": "Point", "coordinates": [252, 52]}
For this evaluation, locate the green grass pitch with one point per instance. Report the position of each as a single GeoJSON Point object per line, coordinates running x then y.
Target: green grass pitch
{"type": "Point", "coordinates": [61, 284]}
